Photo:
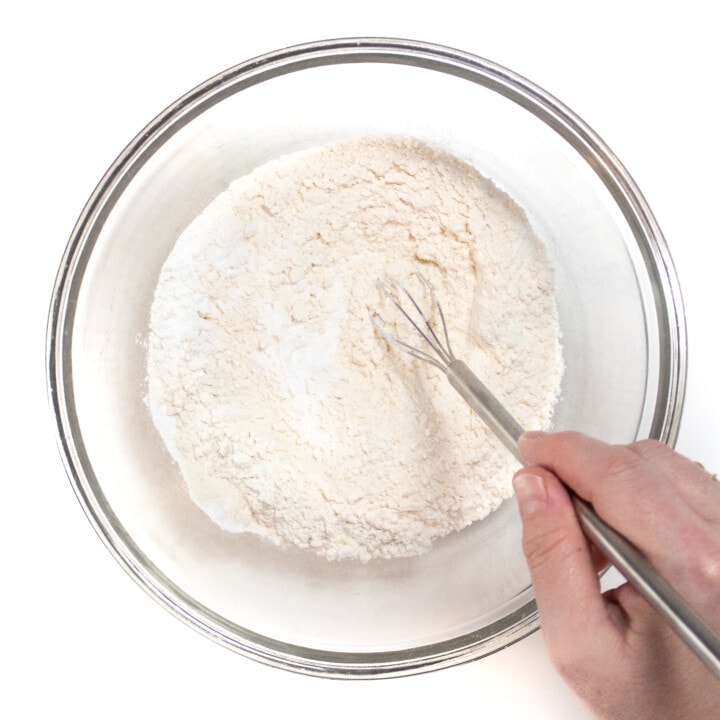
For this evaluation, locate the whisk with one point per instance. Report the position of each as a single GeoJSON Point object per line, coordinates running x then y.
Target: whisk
{"type": "Point", "coordinates": [436, 350]}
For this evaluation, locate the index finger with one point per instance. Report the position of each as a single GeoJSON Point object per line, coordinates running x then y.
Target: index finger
{"type": "Point", "coordinates": [628, 485]}
{"type": "Point", "coordinates": [591, 467]}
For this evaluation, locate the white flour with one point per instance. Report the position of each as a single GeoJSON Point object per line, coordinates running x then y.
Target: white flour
{"type": "Point", "coordinates": [287, 414]}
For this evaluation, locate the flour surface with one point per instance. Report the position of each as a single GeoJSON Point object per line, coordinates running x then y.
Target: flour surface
{"type": "Point", "coordinates": [287, 413]}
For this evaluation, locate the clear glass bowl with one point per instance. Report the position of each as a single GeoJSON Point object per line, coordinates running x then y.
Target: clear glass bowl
{"type": "Point", "coordinates": [620, 310]}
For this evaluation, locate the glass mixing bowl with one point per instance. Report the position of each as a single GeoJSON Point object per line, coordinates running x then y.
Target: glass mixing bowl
{"type": "Point", "coordinates": [619, 305]}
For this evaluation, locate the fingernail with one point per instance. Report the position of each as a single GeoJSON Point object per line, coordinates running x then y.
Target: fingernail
{"type": "Point", "coordinates": [530, 491]}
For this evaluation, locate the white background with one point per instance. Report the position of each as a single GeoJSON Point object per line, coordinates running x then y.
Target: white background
{"type": "Point", "coordinates": [79, 80]}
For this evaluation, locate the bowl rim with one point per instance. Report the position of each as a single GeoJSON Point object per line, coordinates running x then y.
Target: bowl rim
{"type": "Point", "coordinates": [668, 301]}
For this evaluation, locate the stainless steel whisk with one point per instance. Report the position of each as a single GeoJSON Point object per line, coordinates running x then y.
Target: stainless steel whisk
{"type": "Point", "coordinates": [616, 548]}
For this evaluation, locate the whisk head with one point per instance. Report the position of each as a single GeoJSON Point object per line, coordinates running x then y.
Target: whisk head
{"type": "Point", "coordinates": [415, 317]}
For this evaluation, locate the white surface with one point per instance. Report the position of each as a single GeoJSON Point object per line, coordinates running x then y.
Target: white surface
{"type": "Point", "coordinates": [80, 80]}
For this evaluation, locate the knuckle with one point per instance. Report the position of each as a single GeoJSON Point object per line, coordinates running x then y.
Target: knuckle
{"type": "Point", "coordinates": [623, 463]}
{"type": "Point", "coordinates": [695, 569]}
{"type": "Point", "coordinates": [653, 453]}
{"type": "Point", "coordinates": [704, 568]}
{"type": "Point", "coordinates": [649, 446]}
{"type": "Point", "coordinates": [569, 663]}
{"type": "Point", "coordinates": [707, 576]}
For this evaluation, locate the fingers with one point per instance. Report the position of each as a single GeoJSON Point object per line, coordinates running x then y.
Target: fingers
{"type": "Point", "coordinates": [629, 486]}
{"type": "Point", "coordinates": [584, 463]}
{"type": "Point", "coordinates": [663, 503]}
{"type": "Point", "coordinates": [593, 468]}
{"type": "Point", "coordinates": [561, 564]}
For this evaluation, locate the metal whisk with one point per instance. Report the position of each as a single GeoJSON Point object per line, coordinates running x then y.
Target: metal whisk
{"type": "Point", "coordinates": [437, 351]}
{"type": "Point", "coordinates": [461, 377]}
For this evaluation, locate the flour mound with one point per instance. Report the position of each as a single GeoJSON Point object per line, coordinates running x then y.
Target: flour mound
{"type": "Point", "coordinates": [288, 414]}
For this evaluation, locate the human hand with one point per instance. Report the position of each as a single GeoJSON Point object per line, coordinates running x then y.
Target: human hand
{"type": "Point", "coordinates": [614, 649]}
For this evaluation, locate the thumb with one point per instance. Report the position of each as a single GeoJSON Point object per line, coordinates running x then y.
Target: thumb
{"type": "Point", "coordinates": [562, 568]}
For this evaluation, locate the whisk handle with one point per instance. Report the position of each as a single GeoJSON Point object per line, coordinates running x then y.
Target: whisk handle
{"type": "Point", "coordinates": [625, 556]}
{"type": "Point", "coordinates": [486, 405]}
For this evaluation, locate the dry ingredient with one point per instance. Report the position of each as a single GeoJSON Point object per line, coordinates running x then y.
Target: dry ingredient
{"type": "Point", "coordinates": [288, 415]}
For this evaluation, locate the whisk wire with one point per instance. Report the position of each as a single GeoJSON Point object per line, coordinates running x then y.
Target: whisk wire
{"type": "Point", "coordinates": [423, 326]}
